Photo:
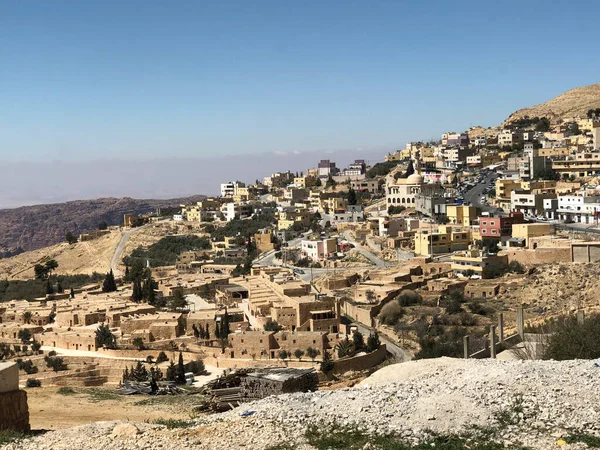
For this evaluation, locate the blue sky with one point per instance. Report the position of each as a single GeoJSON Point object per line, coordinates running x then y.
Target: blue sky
{"type": "Point", "coordinates": [150, 79]}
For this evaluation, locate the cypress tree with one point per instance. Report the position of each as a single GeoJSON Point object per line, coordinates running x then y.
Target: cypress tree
{"type": "Point", "coordinates": [59, 288]}
{"type": "Point", "coordinates": [217, 330]}
{"type": "Point", "coordinates": [180, 370]}
{"type": "Point", "coordinates": [207, 333]}
{"type": "Point", "coordinates": [49, 288]}
{"type": "Point", "coordinates": [225, 326]}
{"type": "Point", "coordinates": [72, 293]}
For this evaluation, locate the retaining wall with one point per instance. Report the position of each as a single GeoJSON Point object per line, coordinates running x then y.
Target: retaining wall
{"type": "Point", "coordinates": [362, 362]}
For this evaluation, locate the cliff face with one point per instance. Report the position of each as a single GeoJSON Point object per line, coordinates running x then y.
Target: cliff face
{"type": "Point", "coordinates": [575, 102]}
{"type": "Point", "coordinates": [33, 227]}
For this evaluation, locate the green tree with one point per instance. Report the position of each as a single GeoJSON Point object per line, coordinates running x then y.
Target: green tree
{"type": "Point", "coordinates": [27, 317]}
{"type": "Point", "coordinates": [180, 370]}
{"type": "Point", "coordinates": [272, 325]}
{"type": "Point", "coordinates": [139, 343]}
{"type": "Point", "coordinates": [283, 354]}
{"type": "Point", "coordinates": [572, 340]}
{"type": "Point", "coordinates": [24, 335]}
{"type": "Point", "coordinates": [172, 372]}
{"type": "Point", "coordinates": [70, 238]}
{"type": "Point", "coordinates": [137, 294]}
{"type": "Point", "coordinates": [327, 364]}
{"type": "Point", "coordinates": [162, 357]}
{"type": "Point", "coordinates": [109, 285]}
{"type": "Point", "coordinates": [330, 182]}
{"type": "Point", "coordinates": [312, 353]}
{"type": "Point", "coordinates": [49, 288]}
{"type": "Point", "coordinates": [177, 301]}
{"type": "Point", "coordinates": [344, 348]}
{"type": "Point", "coordinates": [72, 293]}
{"type": "Point", "coordinates": [358, 341]}
{"type": "Point", "coordinates": [373, 342]}
{"type": "Point", "coordinates": [102, 226]}
{"type": "Point", "coordinates": [298, 354]}
{"type": "Point", "coordinates": [59, 288]}
{"type": "Point", "coordinates": [352, 199]}
{"type": "Point", "coordinates": [105, 338]}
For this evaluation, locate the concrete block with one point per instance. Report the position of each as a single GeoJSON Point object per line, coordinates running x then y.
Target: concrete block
{"type": "Point", "coordinates": [9, 377]}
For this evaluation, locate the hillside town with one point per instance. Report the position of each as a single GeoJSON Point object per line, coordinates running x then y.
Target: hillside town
{"type": "Point", "coordinates": [317, 278]}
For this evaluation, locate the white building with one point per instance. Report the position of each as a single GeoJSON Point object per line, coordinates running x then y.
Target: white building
{"type": "Point", "coordinates": [578, 208]}
{"type": "Point", "coordinates": [230, 189]}
{"type": "Point", "coordinates": [402, 192]}
{"type": "Point", "coordinates": [236, 211]}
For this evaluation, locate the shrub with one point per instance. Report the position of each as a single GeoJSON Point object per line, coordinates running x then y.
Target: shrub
{"type": "Point", "coordinates": [55, 363]}
{"type": "Point", "coordinates": [408, 297]}
{"type": "Point", "coordinates": [33, 383]}
{"type": "Point", "coordinates": [196, 367]}
{"type": "Point", "coordinates": [271, 325]}
{"type": "Point", "coordinates": [391, 313]}
{"type": "Point", "coordinates": [51, 353]}
{"type": "Point", "coordinates": [571, 340]}
{"type": "Point", "coordinates": [162, 357]}
{"type": "Point", "coordinates": [327, 364]}
{"type": "Point", "coordinates": [28, 367]}
{"type": "Point", "coordinates": [66, 390]}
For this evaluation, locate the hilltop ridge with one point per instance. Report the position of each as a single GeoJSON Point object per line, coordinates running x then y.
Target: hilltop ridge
{"type": "Point", "coordinates": [575, 102]}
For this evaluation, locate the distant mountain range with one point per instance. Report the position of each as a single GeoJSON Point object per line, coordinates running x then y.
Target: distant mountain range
{"type": "Point", "coordinates": [32, 227]}
{"type": "Point", "coordinates": [575, 102]}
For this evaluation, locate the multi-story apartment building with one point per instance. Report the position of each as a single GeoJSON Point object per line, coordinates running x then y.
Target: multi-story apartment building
{"type": "Point", "coordinates": [577, 208]}
{"type": "Point", "coordinates": [499, 228]}
{"type": "Point", "coordinates": [529, 202]}
{"type": "Point", "coordinates": [523, 232]}
{"type": "Point", "coordinates": [483, 265]}
{"type": "Point", "coordinates": [446, 239]}
{"type": "Point", "coordinates": [230, 189]}
{"type": "Point", "coordinates": [462, 215]}
{"type": "Point", "coordinates": [365, 185]}
{"type": "Point", "coordinates": [318, 250]}
{"type": "Point", "coordinates": [358, 167]}
{"type": "Point", "coordinates": [326, 168]}
{"type": "Point", "coordinates": [581, 165]}
{"type": "Point", "coordinates": [236, 211]}
{"type": "Point", "coordinates": [287, 218]}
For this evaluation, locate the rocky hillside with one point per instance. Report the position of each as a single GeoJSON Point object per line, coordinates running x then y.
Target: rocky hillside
{"type": "Point", "coordinates": [513, 404]}
{"type": "Point", "coordinates": [33, 227]}
{"type": "Point", "coordinates": [575, 102]}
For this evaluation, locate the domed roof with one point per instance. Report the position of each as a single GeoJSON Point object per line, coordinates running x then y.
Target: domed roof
{"type": "Point", "coordinates": [415, 178]}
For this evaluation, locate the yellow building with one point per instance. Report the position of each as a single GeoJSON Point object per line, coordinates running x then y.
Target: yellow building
{"type": "Point", "coordinates": [446, 239]}
{"type": "Point", "coordinates": [559, 151]}
{"type": "Point", "coordinates": [462, 215]}
{"type": "Point", "coordinates": [525, 231]}
{"type": "Point", "coordinates": [478, 261]}
{"type": "Point", "coordinates": [329, 205]}
{"type": "Point", "coordinates": [287, 219]}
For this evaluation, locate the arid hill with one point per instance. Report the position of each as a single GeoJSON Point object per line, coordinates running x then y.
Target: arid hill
{"type": "Point", "coordinates": [38, 226]}
{"type": "Point", "coordinates": [575, 102]}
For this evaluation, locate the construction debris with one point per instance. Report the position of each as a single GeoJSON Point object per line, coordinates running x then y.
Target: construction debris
{"type": "Point", "coordinates": [164, 388]}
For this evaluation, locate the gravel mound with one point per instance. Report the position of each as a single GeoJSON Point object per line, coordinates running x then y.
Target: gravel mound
{"type": "Point", "coordinates": [532, 402]}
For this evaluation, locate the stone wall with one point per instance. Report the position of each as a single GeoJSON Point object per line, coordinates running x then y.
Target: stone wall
{"type": "Point", "coordinates": [361, 362]}
{"type": "Point", "coordinates": [14, 414]}
{"type": "Point", "coordinates": [538, 256]}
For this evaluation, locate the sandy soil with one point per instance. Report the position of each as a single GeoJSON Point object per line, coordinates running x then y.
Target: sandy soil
{"type": "Point", "coordinates": [82, 257]}
{"type": "Point", "coordinates": [50, 410]}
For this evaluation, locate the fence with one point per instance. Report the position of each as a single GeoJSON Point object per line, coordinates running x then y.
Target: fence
{"type": "Point", "coordinates": [498, 342]}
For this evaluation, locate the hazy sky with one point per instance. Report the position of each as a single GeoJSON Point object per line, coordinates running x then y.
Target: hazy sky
{"type": "Point", "coordinates": [154, 79]}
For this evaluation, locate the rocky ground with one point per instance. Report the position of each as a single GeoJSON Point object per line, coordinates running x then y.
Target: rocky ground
{"type": "Point", "coordinates": [537, 404]}
{"type": "Point", "coordinates": [554, 289]}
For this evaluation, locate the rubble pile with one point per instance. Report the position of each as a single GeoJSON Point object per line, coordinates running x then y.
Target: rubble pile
{"type": "Point", "coordinates": [531, 403]}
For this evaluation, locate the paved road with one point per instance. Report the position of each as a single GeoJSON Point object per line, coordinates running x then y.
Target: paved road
{"type": "Point", "coordinates": [394, 349]}
{"type": "Point", "coordinates": [474, 195]}
{"type": "Point", "coordinates": [116, 259]}
{"type": "Point", "coordinates": [367, 254]}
